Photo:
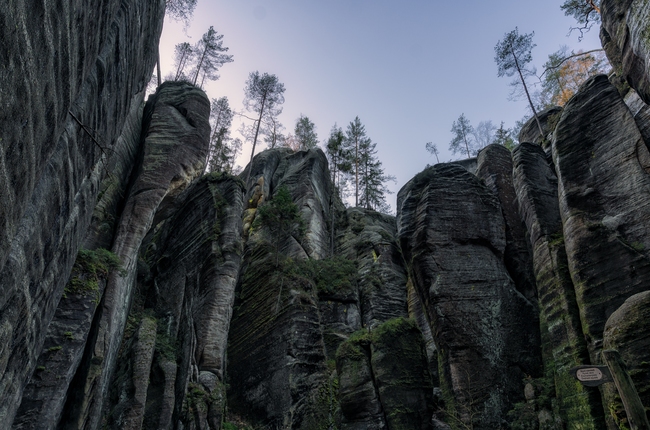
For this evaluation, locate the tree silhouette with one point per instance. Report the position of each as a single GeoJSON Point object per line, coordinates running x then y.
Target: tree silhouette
{"type": "Point", "coordinates": [463, 136]}
{"type": "Point", "coordinates": [263, 94]}
{"type": "Point", "coordinates": [209, 56]}
{"type": "Point", "coordinates": [305, 132]}
{"type": "Point", "coordinates": [513, 53]}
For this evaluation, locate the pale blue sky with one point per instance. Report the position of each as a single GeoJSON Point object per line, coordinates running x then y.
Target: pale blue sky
{"type": "Point", "coordinates": [408, 69]}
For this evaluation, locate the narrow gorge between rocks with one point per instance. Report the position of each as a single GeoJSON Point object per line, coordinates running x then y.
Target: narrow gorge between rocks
{"type": "Point", "coordinates": [138, 292]}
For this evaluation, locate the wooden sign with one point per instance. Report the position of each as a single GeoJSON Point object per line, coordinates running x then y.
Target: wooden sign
{"type": "Point", "coordinates": [592, 376]}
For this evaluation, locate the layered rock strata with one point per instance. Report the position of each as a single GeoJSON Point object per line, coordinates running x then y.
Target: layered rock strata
{"type": "Point", "coordinates": [69, 74]}
{"type": "Point", "coordinates": [452, 235]}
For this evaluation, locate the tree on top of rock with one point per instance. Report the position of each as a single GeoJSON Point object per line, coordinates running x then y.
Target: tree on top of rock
{"type": "Point", "coordinates": [503, 136]}
{"type": "Point", "coordinates": [355, 135]}
{"type": "Point", "coordinates": [305, 133]}
{"type": "Point", "coordinates": [182, 56]}
{"type": "Point", "coordinates": [264, 94]}
{"type": "Point", "coordinates": [372, 178]}
{"type": "Point", "coordinates": [209, 56]}
{"type": "Point", "coordinates": [223, 149]}
{"type": "Point", "coordinates": [463, 140]}
{"type": "Point", "coordinates": [512, 54]}
{"type": "Point", "coordinates": [433, 149]}
{"type": "Point", "coordinates": [339, 158]}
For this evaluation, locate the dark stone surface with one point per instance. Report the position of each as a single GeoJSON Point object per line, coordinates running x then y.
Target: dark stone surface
{"type": "Point", "coordinates": [603, 165]}
{"type": "Point", "coordinates": [175, 133]}
{"type": "Point", "coordinates": [641, 113]}
{"type": "Point", "coordinates": [495, 169]}
{"type": "Point", "coordinates": [529, 132]}
{"type": "Point", "coordinates": [563, 342]}
{"type": "Point", "coordinates": [628, 331]}
{"type": "Point", "coordinates": [56, 62]}
{"type": "Point", "coordinates": [452, 235]}
{"type": "Point", "coordinates": [624, 35]}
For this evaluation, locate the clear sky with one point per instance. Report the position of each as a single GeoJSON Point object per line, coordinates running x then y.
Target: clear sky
{"type": "Point", "coordinates": [408, 68]}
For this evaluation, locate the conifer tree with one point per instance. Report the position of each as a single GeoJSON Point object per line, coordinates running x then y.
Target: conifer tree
{"type": "Point", "coordinates": [512, 54]}
{"type": "Point", "coordinates": [264, 94]}
{"type": "Point", "coordinates": [354, 136]}
{"type": "Point", "coordinates": [463, 136]}
{"type": "Point", "coordinates": [305, 132]}
{"type": "Point", "coordinates": [209, 56]}
{"type": "Point", "coordinates": [182, 56]}
{"type": "Point", "coordinates": [433, 149]}
{"type": "Point", "coordinates": [372, 178]}
{"type": "Point", "coordinates": [223, 149]}
{"type": "Point", "coordinates": [339, 158]}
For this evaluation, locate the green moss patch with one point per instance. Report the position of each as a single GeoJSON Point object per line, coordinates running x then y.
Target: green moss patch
{"type": "Point", "coordinates": [89, 267]}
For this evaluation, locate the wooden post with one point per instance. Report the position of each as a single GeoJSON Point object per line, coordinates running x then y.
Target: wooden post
{"type": "Point", "coordinates": [633, 407]}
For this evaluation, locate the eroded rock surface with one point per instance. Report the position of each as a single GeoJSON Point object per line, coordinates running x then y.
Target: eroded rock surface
{"type": "Point", "coordinates": [563, 342]}
{"type": "Point", "coordinates": [602, 164]}
{"type": "Point", "coordinates": [452, 234]}
{"type": "Point", "coordinates": [69, 74]}
{"type": "Point", "coordinates": [624, 35]}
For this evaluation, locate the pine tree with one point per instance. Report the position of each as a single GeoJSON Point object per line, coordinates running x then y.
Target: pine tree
{"type": "Point", "coordinates": [263, 95]}
{"type": "Point", "coordinates": [339, 159]}
{"type": "Point", "coordinates": [503, 136]}
{"type": "Point", "coordinates": [209, 56]}
{"type": "Point", "coordinates": [372, 178]}
{"type": "Point", "coordinates": [463, 136]}
{"type": "Point", "coordinates": [354, 137]}
{"type": "Point", "coordinates": [182, 56]}
{"type": "Point", "coordinates": [585, 12]}
{"type": "Point", "coordinates": [305, 132]}
{"type": "Point", "coordinates": [512, 54]}
{"type": "Point", "coordinates": [223, 149]}
{"type": "Point", "coordinates": [433, 148]}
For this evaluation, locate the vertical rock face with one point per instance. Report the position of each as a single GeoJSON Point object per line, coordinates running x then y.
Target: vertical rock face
{"type": "Point", "coordinates": [69, 74]}
{"type": "Point", "coordinates": [175, 146]}
{"type": "Point", "coordinates": [530, 131]}
{"type": "Point", "coordinates": [495, 169]}
{"type": "Point", "coordinates": [452, 234]}
{"type": "Point", "coordinates": [563, 343]}
{"type": "Point", "coordinates": [624, 35]}
{"type": "Point", "coordinates": [602, 164]}
{"type": "Point", "coordinates": [188, 274]}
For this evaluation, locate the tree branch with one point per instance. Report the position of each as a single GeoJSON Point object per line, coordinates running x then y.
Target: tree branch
{"type": "Point", "coordinates": [566, 59]}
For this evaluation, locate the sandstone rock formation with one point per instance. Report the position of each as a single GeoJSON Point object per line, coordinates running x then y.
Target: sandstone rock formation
{"type": "Point", "coordinates": [624, 36]}
{"type": "Point", "coordinates": [452, 234]}
{"type": "Point", "coordinates": [70, 76]}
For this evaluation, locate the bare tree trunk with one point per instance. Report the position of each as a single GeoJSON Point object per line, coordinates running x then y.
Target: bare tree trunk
{"type": "Point", "coordinates": [198, 67]}
{"type": "Point", "coordinates": [530, 101]}
{"type": "Point", "coordinates": [158, 69]}
{"type": "Point", "coordinates": [356, 171]}
{"type": "Point", "coordinates": [259, 121]}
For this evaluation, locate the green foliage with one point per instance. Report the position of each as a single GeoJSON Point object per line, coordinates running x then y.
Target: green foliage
{"type": "Point", "coordinates": [68, 335]}
{"type": "Point", "coordinates": [503, 136]}
{"type": "Point", "coordinates": [282, 218]}
{"type": "Point", "coordinates": [165, 345]}
{"type": "Point", "coordinates": [40, 368]}
{"type": "Point", "coordinates": [55, 348]}
{"type": "Point", "coordinates": [463, 140]}
{"type": "Point", "coordinates": [223, 149]}
{"type": "Point", "coordinates": [209, 56]}
{"type": "Point", "coordinates": [557, 239]}
{"type": "Point", "coordinates": [306, 133]}
{"type": "Point", "coordinates": [89, 267]}
{"type": "Point", "coordinates": [330, 276]}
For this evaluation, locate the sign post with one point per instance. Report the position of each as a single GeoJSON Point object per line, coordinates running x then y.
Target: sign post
{"type": "Point", "coordinates": [633, 407]}
{"type": "Point", "coordinates": [593, 376]}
